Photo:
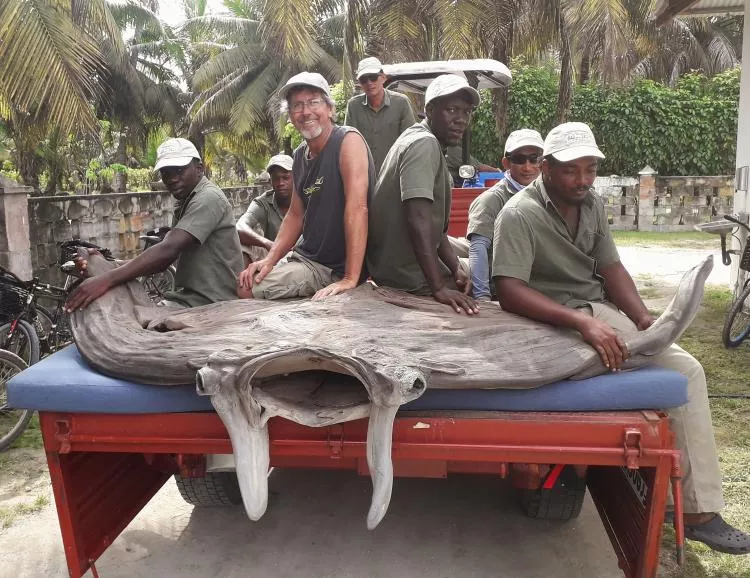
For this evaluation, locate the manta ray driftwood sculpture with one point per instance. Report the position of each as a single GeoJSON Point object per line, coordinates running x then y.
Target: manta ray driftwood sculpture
{"type": "Point", "coordinates": [363, 353]}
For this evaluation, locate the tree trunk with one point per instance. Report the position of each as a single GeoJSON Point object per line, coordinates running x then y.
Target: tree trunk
{"type": "Point", "coordinates": [584, 72]}
{"type": "Point", "coordinates": [502, 51]}
{"type": "Point", "coordinates": [565, 92]}
{"type": "Point", "coordinates": [121, 156]}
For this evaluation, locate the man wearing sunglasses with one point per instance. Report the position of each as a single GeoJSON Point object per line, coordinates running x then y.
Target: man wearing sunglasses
{"type": "Point", "coordinates": [522, 160]}
{"type": "Point", "coordinates": [408, 246]}
{"type": "Point", "coordinates": [554, 260]}
{"type": "Point", "coordinates": [378, 113]}
{"type": "Point", "coordinates": [203, 239]}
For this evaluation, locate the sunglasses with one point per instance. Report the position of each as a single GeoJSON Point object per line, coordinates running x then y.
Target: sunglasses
{"type": "Point", "coordinates": [369, 78]}
{"type": "Point", "coordinates": [534, 159]}
{"type": "Point", "coordinates": [171, 172]}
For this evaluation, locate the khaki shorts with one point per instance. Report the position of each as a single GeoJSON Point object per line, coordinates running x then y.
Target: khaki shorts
{"type": "Point", "coordinates": [294, 276]}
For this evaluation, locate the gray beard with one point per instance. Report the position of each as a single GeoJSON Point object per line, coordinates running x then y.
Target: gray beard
{"type": "Point", "coordinates": [312, 134]}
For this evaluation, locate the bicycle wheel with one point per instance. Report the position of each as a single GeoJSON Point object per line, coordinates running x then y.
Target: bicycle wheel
{"type": "Point", "coordinates": [737, 324]}
{"type": "Point", "coordinates": [24, 342]}
{"type": "Point", "coordinates": [159, 283]}
{"type": "Point", "coordinates": [12, 421]}
{"type": "Point", "coordinates": [52, 337]}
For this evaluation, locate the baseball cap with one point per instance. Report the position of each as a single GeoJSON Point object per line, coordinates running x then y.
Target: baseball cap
{"type": "Point", "coordinates": [447, 84]}
{"type": "Point", "coordinates": [175, 152]}
{"type": "Point", "coordinates": [369, 65]}
{"type": "Point", "coordinates": [311, 79]}
{"type": "Point", "coordinates": [570, 141]}
{"type": "Point", "coordinates": [524, 137]}
{"type": "Point", "coordinates": [283, 161]}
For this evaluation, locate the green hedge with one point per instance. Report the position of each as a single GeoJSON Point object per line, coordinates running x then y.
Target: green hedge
{"type": "Point", "coordinates": [687, 130]}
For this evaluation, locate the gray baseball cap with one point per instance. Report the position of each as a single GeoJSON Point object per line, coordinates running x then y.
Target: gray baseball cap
{"type": "Point", "coordinates": [570, 141]}
{"type": "Point", "coordinates": [310, 79]}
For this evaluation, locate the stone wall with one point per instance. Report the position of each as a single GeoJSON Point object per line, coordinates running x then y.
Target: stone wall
{"type": "Point", "coordinates": [14, 228]}
{"type": "Point", "coordinates": [662, 203]}
{"type": "Point", "coordinates": [678, 203]}
{"type": "Point", "coordinates": [113, 220]}
{"type": "Point", "coordinates": [620, 197]}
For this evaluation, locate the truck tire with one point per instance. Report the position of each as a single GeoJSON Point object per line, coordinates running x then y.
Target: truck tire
{"type": "Point", "coordinates": [213, 489]}
{"type": "Point", "coordinates": [561, 503]}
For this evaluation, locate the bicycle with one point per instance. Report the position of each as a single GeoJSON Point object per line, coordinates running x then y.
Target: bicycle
{"type": "Point", "coordinates": [737, 324]}
{"type": "Point", "coordinates": [12, 421]}
{"type": "Point", "coordinates": [157, 284]}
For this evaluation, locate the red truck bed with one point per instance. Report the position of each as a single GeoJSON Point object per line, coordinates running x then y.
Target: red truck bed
{"type": "Point", "coordinates": [106, 467]}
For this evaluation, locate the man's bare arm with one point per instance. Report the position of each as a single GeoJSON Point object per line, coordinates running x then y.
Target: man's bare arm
{"type": "Point", "coordinates": [251, 238]}
{"type": "Point", "coordinates": [418, 213]}
{"type": "Point", "coordinates": [289, 232]}
{"type": "Point", "coordinates": [621, 291]}
{"type": "Point", "coordinates": [517, 297]}
{"type": "Point", "coordinates": [354, 166]}
{"type": "Point", "coordinates": [153, 260]}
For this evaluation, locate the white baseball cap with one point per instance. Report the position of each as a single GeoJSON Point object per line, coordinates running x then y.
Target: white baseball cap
{"type": "Point", "coordinates": [311, 79]}
{"type": "Point", "coordinates": [570, 141]}
{"type": "Point", "coordinates": [447, 84]}
{"type": "Point", "coordinates": [369, 65]}
{"type": "Point", "coordinates": [283, 161]}
{"type": "Point", "coordinates": [175, 152]}
{"type": "Point", "coordinates": [524, 137]}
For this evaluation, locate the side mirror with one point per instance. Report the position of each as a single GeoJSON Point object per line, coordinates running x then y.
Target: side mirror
{"type": "Point", "coordinates": [467, 171]}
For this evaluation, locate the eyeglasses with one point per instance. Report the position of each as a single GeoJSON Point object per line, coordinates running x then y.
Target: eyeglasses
{"type": "Point", "coordinates": [312, 104]}
{"type": "Point", "coordinates": [368, 78]}
{"type": "Point", "coordinates": [534, 159]}
{"type": "Point", "coordinates": [168, 173]}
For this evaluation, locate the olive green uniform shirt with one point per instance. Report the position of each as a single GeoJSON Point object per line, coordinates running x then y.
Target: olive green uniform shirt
{"type": "Point", "coordinates": [207, 271]}
{"type": "Point", "coordinates": [533, 244]}
{"type": "Point", "coordinates": [414, 168]}
{"type": "Point", "coordinates": [381, 127]}
{"type": "Point", "coordinates": [485, 208]}
{"type": "Point", "coordinates": [262, 216]}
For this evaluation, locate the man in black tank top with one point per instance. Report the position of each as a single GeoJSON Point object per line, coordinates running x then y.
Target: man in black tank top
{"type": "Point", "coordinates": [320, 248]}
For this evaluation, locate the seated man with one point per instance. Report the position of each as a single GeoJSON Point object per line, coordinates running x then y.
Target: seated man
{"type": "Point", "coordinates": [521, 161]}
{"type": "Point", "coordinates": [334, 175]}
{"type": "Point", "coordinates": [260, 224]}
{"type": "Point", "coordinates": [202, 240]}
{"type": "Point", "coordinates": [408, 246]}
{"type": "Point", "coordinates": [378, 113]}
{"type": "Point", "coordinates": [555, 261]}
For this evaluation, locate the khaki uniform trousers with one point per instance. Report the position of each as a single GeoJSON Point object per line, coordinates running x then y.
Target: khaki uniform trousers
{"type": "Point", "coordinates": [691, 423]}
{"type": "Point", "coordinates": [294, 276]}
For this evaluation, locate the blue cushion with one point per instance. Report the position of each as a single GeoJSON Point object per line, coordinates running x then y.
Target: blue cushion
{"type": "Point", "coordinates": [63, 382]}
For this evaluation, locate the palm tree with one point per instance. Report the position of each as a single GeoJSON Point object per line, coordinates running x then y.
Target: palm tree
{"type": "Point", "coordinates": [259, 47]}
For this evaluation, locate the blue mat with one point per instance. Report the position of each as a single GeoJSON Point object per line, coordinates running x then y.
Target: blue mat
{"type": "Point", "coordinates": [63, 382]}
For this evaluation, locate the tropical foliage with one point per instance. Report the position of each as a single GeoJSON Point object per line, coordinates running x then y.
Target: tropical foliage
{"type": "Point", "coordinates": [109, 80]}
{"type": "Point", "coordinates": [686, 130]}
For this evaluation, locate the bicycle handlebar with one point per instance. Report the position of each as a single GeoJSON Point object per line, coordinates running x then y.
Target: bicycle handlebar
{"type": "Point", "coordinates": [736, 221]}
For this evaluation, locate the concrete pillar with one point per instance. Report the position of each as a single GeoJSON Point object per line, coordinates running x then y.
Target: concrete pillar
{"type": "Point", "coordinates": [646, 194]}
{"type": "Point", "coordinates": [15, 252]}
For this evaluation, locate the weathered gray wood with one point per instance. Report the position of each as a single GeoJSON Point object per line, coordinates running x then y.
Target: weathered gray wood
{"type": "Point", "coordinates": [365, 352]}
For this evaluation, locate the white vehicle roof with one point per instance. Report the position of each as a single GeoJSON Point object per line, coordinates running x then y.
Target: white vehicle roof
{"type": "Point", "coordinates": [416, 76]}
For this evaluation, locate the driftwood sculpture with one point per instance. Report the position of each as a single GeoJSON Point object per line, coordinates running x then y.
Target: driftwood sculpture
{"type": "Point", "coordinates": [363, 353]}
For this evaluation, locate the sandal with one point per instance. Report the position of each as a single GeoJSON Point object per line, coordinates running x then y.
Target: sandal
{"type": "Point", "coordinates": [719, 536]}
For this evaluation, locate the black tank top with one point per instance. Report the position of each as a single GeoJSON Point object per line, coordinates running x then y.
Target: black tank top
{"type": "Point", "coordinates": [318, 182]}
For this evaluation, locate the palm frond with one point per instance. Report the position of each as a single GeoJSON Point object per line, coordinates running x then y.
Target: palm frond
{"type": "Point", "coordinates": [287, 30]}
{"type": "Point", "coordinates": [228, 62]}
{"type": "Point", "coordinates": [253, 100]}
{"type": "Point", "coordinates": [62, 78]}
